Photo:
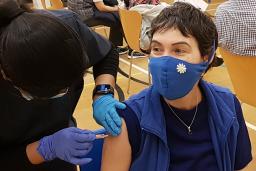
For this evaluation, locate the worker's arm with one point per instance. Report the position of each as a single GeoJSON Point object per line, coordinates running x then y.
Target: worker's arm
{"type": "Point", "coordinates": [105, 106]}
{"type": "Point", "coordinates": [69, 144]}
{"type": "Point", "coordinates": [33, 156]}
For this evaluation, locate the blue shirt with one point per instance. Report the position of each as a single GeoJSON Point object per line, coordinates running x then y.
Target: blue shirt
{"type": "Point", "coordinates": [195, 151]}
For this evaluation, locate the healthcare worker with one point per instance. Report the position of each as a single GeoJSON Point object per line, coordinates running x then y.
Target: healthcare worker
{"type": "Point", "coordinates": [181, 122]}
{"type": "Point", "coordinates": [43, 57]}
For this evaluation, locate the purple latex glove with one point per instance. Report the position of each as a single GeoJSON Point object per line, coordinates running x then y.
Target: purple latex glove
{"type": "Point", "coordinates": [69, 144]}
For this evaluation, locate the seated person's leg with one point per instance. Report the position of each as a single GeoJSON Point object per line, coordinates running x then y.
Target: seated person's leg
{"type": "Point", "coordinates": [109, 19]}
{"type": "Point", "coordinates": [112, 20]}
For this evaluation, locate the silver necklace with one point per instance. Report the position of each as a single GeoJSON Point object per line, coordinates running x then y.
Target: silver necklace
{"type": "Point", "coordinates": [187, 126]}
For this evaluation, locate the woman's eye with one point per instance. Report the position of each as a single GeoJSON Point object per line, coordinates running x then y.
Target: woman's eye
{"type": "Point", "coordinates": [178, 51]}
{"type": "Point", "coordinates": [155, 49]}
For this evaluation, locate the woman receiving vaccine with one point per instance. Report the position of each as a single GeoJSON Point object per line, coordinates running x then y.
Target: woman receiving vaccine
{"type": "Point", "coordinates": [181, 122]}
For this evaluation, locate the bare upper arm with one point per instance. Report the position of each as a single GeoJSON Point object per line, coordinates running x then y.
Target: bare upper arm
{"type": "Point", "coordinates": [116, 154]}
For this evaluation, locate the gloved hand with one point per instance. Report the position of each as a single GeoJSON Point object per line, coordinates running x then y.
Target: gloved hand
{"type": "Point", "coordinates": [69, 144]}
{"type": "Point", "coordinates": [104, 112]}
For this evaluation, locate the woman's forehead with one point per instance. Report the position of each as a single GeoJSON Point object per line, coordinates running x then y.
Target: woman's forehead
{"type": "Point", "coordinates": [173, 36]}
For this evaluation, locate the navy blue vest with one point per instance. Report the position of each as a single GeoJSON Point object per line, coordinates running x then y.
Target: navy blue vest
{"type": "Point", "coordinates": [155, 153]}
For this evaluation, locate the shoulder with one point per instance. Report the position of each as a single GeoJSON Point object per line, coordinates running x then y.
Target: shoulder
{"type": "Point", "coordinates": [136, 102]}
{"type": "Point", "coordinates": [61, 14]}
{"type": "Point", "coordinates": [218, 89]}
{"type": "Point", "coordinates": [219, 94]}
{"type": "Point", "coordinates": [221, 13]}
{"type": "Point", "coordinates": [223, 7]}
{"type": "Point", "coordinates": [129, 115]}
{"type": "Point", "coordinates": [66, 16]}
{"type": "Point", "coordinates": [140, 97]}
{"type": "Point", "coordinates": [237, 106]}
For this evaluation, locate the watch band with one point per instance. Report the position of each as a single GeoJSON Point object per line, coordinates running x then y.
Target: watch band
{"type": "Point", "coordinates": [103, 89]}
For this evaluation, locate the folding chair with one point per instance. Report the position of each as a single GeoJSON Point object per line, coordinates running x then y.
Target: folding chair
{"type": "Point", "coordinates": [242, 71]}
{"type": "Point", "coordinates": [167, 1]}
{"type": "Point", "coordinates": [102, 27]}
{"type": "Point", "coordinates": [131, 22]}
{"type": "Point", "coordinates": [53, 4]}
{"type": "Point", "coordinates": [56, 4]}
{"type": "Point", "coordinates": [39, 4]}
{"type": "Point", "coordinates": [48, 4]}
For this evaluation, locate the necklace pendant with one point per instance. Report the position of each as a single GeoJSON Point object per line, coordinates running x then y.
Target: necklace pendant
{"type": "Point", "coordinates": [189, 131]}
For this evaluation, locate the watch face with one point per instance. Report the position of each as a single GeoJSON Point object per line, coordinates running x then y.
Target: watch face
{"type": "Point", "coordinates": [103, 89]}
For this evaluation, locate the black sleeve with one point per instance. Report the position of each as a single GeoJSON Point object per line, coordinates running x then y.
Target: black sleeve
{"type": "Point", "coordinates": [15, 158]}
{"type": "Point", "coordinates": [108, 65]}
{"type": "Point", "coordinates": [101, 53]}
{"type": "Point", "coordinates": [243, 148]}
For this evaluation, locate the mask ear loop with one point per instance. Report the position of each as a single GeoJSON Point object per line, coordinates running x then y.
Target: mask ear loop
{"type": "Point", "coordinates": [211, 54]}
{"type": "Point", "coordinates": [211, 57]}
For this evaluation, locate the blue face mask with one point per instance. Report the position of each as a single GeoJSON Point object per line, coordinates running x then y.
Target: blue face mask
{"type": "Point", "coordinates": [174, 78]}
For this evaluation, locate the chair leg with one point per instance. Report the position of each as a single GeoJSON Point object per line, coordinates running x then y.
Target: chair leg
{"type": "Point", "coordinates": [130, 73]}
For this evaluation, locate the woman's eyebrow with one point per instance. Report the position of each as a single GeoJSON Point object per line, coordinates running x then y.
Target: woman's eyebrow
{"type": "Point", "coordinates": [156, 42]}
{"type": "Point", "coordinates": [181, 43]}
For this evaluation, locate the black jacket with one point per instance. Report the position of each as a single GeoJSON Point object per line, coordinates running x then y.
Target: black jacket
{"type": "Point", "coordinates": [24, 122]}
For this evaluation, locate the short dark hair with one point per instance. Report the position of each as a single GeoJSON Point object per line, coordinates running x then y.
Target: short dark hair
{"type": "Point", "coordinates": [189, 21]}
{"type": "Point", "coordinates": [39, 53]}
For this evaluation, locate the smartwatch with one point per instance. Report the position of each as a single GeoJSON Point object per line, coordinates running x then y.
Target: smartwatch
{"type": "Point", "coordinates": [103, 89]}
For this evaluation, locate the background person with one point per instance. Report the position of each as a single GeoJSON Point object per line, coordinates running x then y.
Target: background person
{"type": "Point", "coordinates": [235, 22]}
{"type": "Point", "coordinates": [99, 12]}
